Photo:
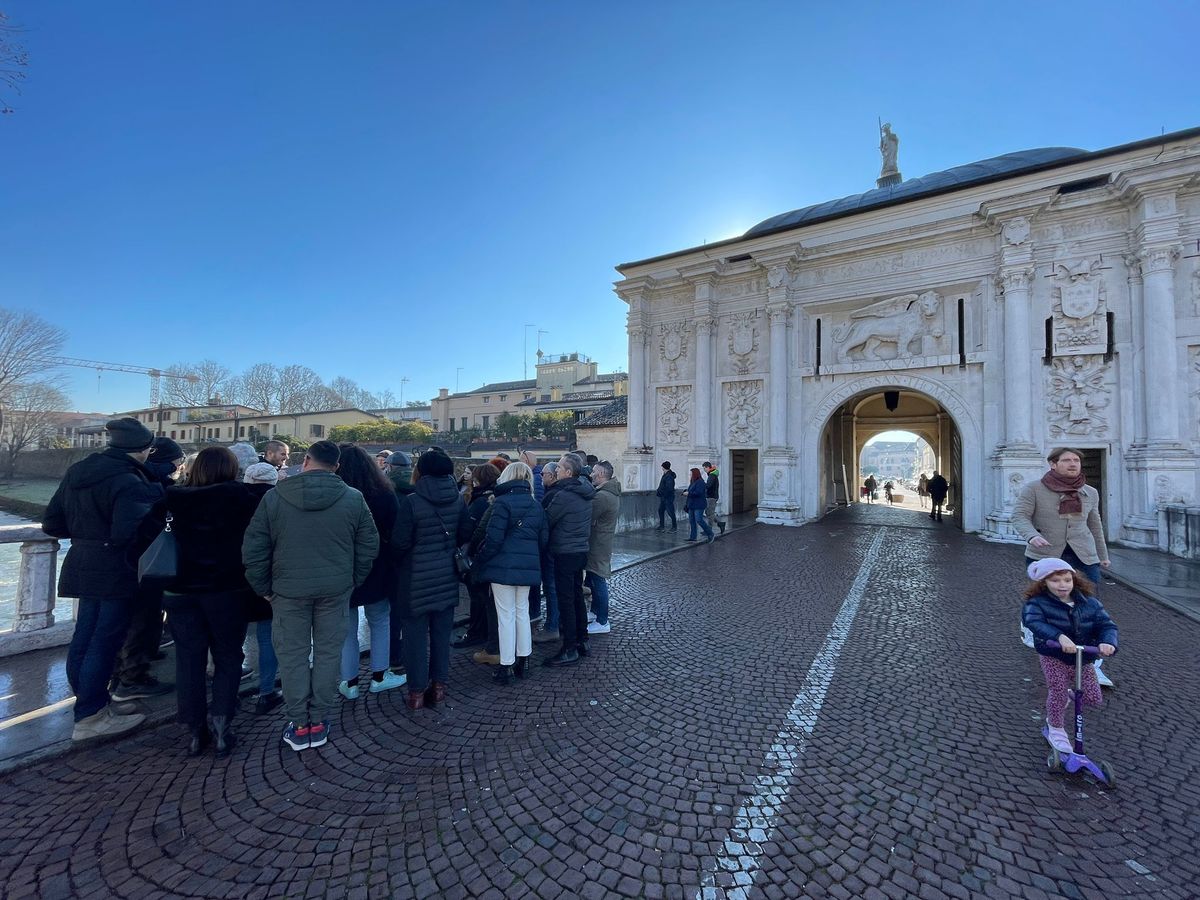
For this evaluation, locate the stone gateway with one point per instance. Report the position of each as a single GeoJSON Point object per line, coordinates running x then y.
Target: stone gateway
{"type": "Point", "coordinates": [996, 309]}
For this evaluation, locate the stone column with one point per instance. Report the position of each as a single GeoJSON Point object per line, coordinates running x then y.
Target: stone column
{"type": "Point", "coordinates": [637, 387]}
{"type": "Point", "coordinates": [1018, 409]}
{"type": "Point", "coordinates": [35, 585]}
{"type": "Point", "coordinates": [702, 393]}
{"type": "Point", "coordinates": [779, 314]}
{"type": "Point", "coordinates": [1161, 387]}
{"type": "Point", "coordinates": [1133, 276]}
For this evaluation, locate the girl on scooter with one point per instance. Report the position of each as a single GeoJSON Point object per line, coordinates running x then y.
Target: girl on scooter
{"type": "Point", "coordinates": [1060, 605]}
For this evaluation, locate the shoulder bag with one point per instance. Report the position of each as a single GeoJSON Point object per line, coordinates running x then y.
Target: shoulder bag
{"type": "Point", "coordinates": [159, 565]}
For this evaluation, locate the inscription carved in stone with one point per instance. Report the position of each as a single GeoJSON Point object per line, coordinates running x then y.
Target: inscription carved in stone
{"type": "Point", "coordinates": [743, 411]}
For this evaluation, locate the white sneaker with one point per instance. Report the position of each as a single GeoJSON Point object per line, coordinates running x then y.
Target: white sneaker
{"type": "Point", "coordinates": [597, 628]}
{"type": "Point", "coordinates": [105, 722]}
{"type": "Point", "coordinates": [1103, 680]}
{"type": "Point", "coordinates": [350, 693]}
{"type": "Point", "coordinates": [591, 617]}
{"type": "Point", "coordinates": [390, 680]}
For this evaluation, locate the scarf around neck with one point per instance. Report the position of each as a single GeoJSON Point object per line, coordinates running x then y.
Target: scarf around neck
{"type": "Point", "coordinates": [1068, 489]}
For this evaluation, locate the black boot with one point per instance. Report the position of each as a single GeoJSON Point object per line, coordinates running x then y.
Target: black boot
{"type": "Point", "coordinates": [200, 738]}
{"type": "Point", "coordinates": [521, 669]}
{"type": "Point", "coordinates": [226, 740]}
{"type": "Point", "coordinates": [503, 674]}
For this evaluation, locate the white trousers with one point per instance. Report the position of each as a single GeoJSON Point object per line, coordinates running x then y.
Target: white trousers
{"type": "Point", "coordinates": [512, 620]}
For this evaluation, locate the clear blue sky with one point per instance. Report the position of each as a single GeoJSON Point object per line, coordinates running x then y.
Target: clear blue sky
{"type": "Point", "coordinates": [387, 189]}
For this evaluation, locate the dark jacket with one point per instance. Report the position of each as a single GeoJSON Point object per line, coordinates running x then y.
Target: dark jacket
{"type": "Point", "coordinates": [432, 522]}
{"type": "Point", "coordinates": [382, 580]}
{"type": "Point", "coordinates": [401, 479]}
{"type": "Point", "coordinates": [481, 500]}
{"type": "Point", "coordinates": [99, 506]}
{"type": "Point", "coordinates": [938, 487]}
{"type": "Point", "coordinates": [209, 524]}
{"type": "Point", "coordinates": [539, 489]}
{"type": "Point", "coordinates": [516, 535]}
{"type": "Point", "coordinates": [1086, 622]}
{"type": "Point", "coordinates": [712, 485]}
{"type": "Point", "coordinates": [666, 485]}
{"type": "Point", "coordinates": [312, 537]}
{"type": "Point", "coordinates": [697, 495]}
{"type": "Point", "coordinates": [569, 515]}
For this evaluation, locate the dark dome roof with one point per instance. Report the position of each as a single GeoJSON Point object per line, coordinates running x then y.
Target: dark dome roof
{"type": "Point", "coordinates": [960, 176]}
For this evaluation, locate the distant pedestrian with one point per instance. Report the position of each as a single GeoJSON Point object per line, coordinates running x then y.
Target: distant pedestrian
{"type": "Point", "coordinates": [310, 543]}
{"type": "Point", "coordinates": [100, 505]}
{"type": "Point", "coordinates": [432, 523]}
{"type": "Point", "coordinates": [923, 490]}
{"type": "Point", "coordinates": [870, 486]}
{"type": "Point", "coordinates": [373, 596]}
{"type": "Point", "coordinates": [697, 500]}
{"type": "Point", "coordinates": [712, 491]}
{"type": "Point", "coordinates": [939, 487]}
{"type": "Point", "coordinates": [666, 498]}
{"type": "Point", "coordinates": [260, 478]}
{"type": "Point", "coordinates": [606, 509]}
{"type": "Point", "coordinates": [569, 514]}
{"type": "Point", "coordinates": [209, 601]}
{"type": "Point", "coordinates": [510, 560]}
{"type": "Point", "coordinates": [888, 487]}
{"type": "Point", "coordinates": [1061, 605]}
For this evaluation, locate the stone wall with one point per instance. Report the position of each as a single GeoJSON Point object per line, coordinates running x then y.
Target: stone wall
{"type": "Point", "coordinates": [639, 509]}
{"type": "Point", "coordinates": [50, 463]}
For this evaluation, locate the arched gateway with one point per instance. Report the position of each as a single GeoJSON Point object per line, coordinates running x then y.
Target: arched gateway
{"type": "Point", "coordinates": [1041, 298]}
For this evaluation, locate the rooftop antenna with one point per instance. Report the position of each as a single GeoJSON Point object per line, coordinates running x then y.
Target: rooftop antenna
{"type": "Point", "coordinates": [540, 354]}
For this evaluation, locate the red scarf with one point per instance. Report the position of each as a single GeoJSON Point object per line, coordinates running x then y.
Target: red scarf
{"type": "Point", "coordinates": [1069, 500]}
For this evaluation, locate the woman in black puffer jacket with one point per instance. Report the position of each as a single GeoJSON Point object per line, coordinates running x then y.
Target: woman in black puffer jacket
{"type": "Point", "coordinates": [481, 628]}
{"type": "Point", "coordinates": [431, 524]}
{"type": "Point", "coordinates": [510, 558]}
{"type": "Point", "coordinates": [209, 599]}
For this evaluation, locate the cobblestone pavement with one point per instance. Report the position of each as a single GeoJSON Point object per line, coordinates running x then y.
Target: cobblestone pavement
{"type": "Point", "coordinates": [842, 709]}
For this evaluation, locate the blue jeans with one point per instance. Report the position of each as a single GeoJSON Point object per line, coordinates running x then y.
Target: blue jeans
{"type": "Point", "coordinates": [550, 593]}
{"type": "Point", "coordinates": [379, 621]}
{"type": "Point", "coordinates": [666, 506]}
{"type": "Point", "coordinates": [268, 665]}
{"type": "Point", "coordinates": [599, 588]}
{"type": "Point", "coordinates": [696, 516]}
{"type": "Point", "coordinates": [100, 629]}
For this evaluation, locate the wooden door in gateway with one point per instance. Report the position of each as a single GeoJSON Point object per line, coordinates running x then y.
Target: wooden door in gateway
{"type": "Point", "coordinates": [743, 480]}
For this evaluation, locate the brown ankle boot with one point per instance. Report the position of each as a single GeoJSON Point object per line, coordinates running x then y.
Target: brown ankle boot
{"type": "Point", "coordinates": [415, 700]}
{"type": "Point", "coordinates": [435, 693]}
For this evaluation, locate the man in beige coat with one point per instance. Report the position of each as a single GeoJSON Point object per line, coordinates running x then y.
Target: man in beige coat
{"type": "Point", "coordinates": [606, 506]}
{"type": "Point", "coordinates": [1059, 516]}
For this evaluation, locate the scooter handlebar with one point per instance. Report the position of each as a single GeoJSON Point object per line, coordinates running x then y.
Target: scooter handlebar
{"type": "Point", "coordinates": [1055, 645]}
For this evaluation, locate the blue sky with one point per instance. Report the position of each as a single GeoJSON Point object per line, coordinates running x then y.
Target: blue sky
{"type": "Point", "coordinates": [388, 189]}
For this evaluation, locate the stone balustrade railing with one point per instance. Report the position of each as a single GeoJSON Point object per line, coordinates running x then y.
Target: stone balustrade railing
{"type": "Point", "coordinates": [34, 627]}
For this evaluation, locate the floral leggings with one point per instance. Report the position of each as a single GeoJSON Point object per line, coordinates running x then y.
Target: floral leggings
{"type": "Point", "coordinates": [1060, 681]}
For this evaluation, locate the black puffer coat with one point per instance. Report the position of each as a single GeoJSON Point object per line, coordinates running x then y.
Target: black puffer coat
{"type": "Point", "coordinates": [569, 515]}
{"type": "Point", "coordinates": [209, 524]}
{"type": "Point", "coordinates": [666, 485]}
{"type": "Point", "coordinates": [99, 506]}
{"type": "Point", "coordinates": [516, 535]}
{"type": "Point", "coordinates": [431, 523]}
{"type": "Point", "coordinates": [382, 580]}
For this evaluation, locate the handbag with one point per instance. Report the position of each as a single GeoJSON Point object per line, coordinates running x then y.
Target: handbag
{"type": "Point", "coordinates": [462, 559]}
{"type": "Point", "coordinates": [159, 564]}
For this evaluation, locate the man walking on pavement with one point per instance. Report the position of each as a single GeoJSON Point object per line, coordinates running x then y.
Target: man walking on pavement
{"type": "Point", "coordinates": [712, 491]}
{"type": "Point", "coordinates": [569, 514]}
{"type": "Point", "coordinates": [99, 506]}
{"type": "Point", "coordinates": [605, 506]}
{"type": "Point", "coordinates": [133, 680]}
{"type": "Point", "coordinates": [666, 498]}
{"type": "Point", "coordinates": [939, 487]}
{"type": "Point", "coordinates": [311, 542]}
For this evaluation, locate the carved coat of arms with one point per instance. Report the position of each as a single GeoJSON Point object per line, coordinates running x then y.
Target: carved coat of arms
{"type": "Point", "coordinates": [743, 341]}
{"type": "Point", "coordinates": [673, 346]}
{"type": "Point", "coordinates": [1080, 299]}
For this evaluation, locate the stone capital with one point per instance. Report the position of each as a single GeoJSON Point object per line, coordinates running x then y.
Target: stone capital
{"type": "Point", "coordinates": [704, 325]}
{"type": "Point", "coordinates": [1158, 259]}
{"type": "Point", "coordinates": [778, 313]}
{"type": "Point", "coordinates": [1017, 279]}
{"type": "Point", "coordinates": [637, 334]}
{"type": "Point", "coordinates": [1133, 266]}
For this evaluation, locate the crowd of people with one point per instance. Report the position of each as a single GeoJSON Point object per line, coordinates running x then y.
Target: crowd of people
{"type": "Point", "coordinates": [298, 551]}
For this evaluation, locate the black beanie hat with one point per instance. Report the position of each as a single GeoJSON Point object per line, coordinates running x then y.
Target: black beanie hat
{"type": "Point", "coordinates": [667, 464]}
{"type": "Point", "coordinates": [128, 434]}
{"type": "Point", "coordinates": [435, 464]}
{"type": "Point", "coordinates": [166, 450]}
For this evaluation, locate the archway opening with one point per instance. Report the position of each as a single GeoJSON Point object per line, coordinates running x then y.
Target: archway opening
{"type": "Point", "coordinates": [868, 419]}
{"type": "Point", "coordinates": [896, 460]}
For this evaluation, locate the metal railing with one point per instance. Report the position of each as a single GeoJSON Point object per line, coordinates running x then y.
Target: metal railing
{"type": "Point", "coordinates": [33, 625]}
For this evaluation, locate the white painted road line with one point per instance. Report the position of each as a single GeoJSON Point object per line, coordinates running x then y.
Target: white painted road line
{"type": "Point", "coordinates": [754, 821]}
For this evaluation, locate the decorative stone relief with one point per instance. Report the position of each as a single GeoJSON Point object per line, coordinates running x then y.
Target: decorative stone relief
{"type": "Point", "coordinates": [1196, 292]}
{"type": "Point", "coordinates": [674, 414]}
{"type": "Point", "coordinates": [1077, 395]}
{"type": "Point", "coordinates": [743, 341]}
{"type": "Point", "coordinates": [1167, 491]}
{"type": "Point", "coordinates": [907, 326]}
{"type": "Point", "coordinates": [894, 263]}
{"type": "Point", "coordinates": [1016, 482]}
{"type": "Point", "coordinates": [1016, 231]}
{"type": "Point", "coordinates": [1080, 305]}
{"type": "Point", "coordinates": [673, 346]}
{"type": "Point", "coordinates": [734, 290]}
{"type": "Point", "coordinates": [631, 478]}
{"type": "Point", "coordinates": [743, 411]}
{"type": "Point", "coordinates": [1194, 390]}
{"type": "Point", "coordinates": [776, 479]}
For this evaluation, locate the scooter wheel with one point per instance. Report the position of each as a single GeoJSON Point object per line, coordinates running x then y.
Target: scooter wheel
{"type": "Point", "coordinates": [1054, 760]}
{"type": "Point", "coordinates": [1109, 776]}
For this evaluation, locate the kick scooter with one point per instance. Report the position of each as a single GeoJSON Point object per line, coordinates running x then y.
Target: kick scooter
{"type": "Point", "coordinates": [1076, 761]}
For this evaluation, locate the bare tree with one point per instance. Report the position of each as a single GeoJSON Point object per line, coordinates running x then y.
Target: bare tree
{"type": "Point", "coordinates": [386, 399]}
{"type": "Point", "coordinates": [300, 389]}
{"type": "Point", "coordinates": [13, 61]}
{"type": "Point", "coordinates": [211, 378]}
{"type": "Point", "coordinates": [260, 385]}
{"type": "Point", "coordinates": [28, 344]}
{"type": "Point", "coordinates": [346, 392]}
{"type": "Point", "coordinates": [33, 409]}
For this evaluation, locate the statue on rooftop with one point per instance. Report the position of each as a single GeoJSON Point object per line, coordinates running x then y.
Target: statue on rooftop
{"type": "Point", "coordinates": [889, 145]}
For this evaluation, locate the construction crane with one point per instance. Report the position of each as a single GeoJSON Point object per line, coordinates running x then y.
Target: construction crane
{"type": "Point", "coordinates": [156, 375]}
